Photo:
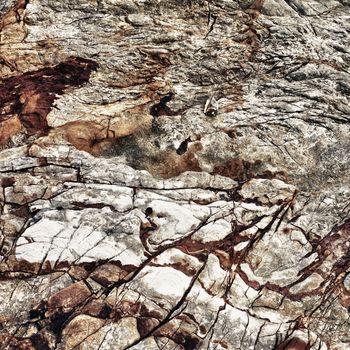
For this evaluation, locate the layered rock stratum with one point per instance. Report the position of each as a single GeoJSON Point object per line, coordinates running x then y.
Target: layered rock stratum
{"type": "Point", "coordinates": [175, 174]}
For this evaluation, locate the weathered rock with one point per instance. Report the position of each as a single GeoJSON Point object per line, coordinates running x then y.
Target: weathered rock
{"type": "Point", "coordinates": [79, 330]}
{"type": "Point", "coordinates": [174, 174]}
{"type": "Point", "coordinates": [68, 298]}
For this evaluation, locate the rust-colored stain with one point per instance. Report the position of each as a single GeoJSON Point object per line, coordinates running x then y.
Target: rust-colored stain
{"type": "Point", "coordinates": [293, 344]}
{"type": "Point", "coordinates": [69, 297]}
{"type": "Point", "coordinates": [7, 181]}
{"type": "Point", "coordinates": [9, 128]}
{"type": "Point", "coordinates": [255, 9]}
{"type": "Point", "coordinates": [257, 5]}
{"type": "Point", "coordinates": [238, 169]}
{"type": "Point", "coordinates": [171, 164]}
{"type": "Point", "coordinates": [85, 135]}
{"type": "Point", "coordinates": [242, 170]}
{"type": "Point", "coordinates": [179, 334]}
{"type": "Point", "coordinates": [26, 99]}
{"type": "Point", "coordinates": [235, 169]}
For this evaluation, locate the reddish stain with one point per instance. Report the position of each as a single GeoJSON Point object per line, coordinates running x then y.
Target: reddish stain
{"type": "Point", "coordinates": [257, 5]}
{"type": "Point", "coordinates": [7, 181]}
{"type": "Point", "coordinates": [31, 95]}
{"type": "Point", "coordinates": [293, 344]}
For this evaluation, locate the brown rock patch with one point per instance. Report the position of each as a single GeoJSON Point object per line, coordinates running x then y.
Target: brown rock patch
{"type": "Point", "coordinates": [70, 297]}
{"type": "Point", "coordinates": [293, 344]}
{"type": "Point", "coordinates": [9, 128]}
{"type": "Point", "coordinates": [80, 328]}
{"type": "Point", "coordinates": [26, 99]}
{"type": "Point", "coordinates": [171, 164]}
{"type": "Point", "coordinates": [12, 26]}
{"type": "Point", "coordinates": [242, 170]}
{"type": "Point", "coordinates": [108, 273]}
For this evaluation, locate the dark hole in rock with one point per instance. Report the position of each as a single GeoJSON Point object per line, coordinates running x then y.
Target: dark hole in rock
{"type": "Point", "coordinates": [191, 344]}
{"type": "Point", "coordinates": [183, 146]}
{"type": "Point", "coordinates": [58, 321]}
{"type": "Point", "coordinates": [188, 341]}
{"type": "Point", "coordinates": [232, 134]}
{"type": "Point", "coordinates": [211, 112]}
{"type": "Point", "coordinates": [39, 312]}
{"type": "Point", "coordinates": [161, 108]}
{"type": "Point", "coordinates": [148, 211]}
{"type": "Point", "coordinates": [105, 312]}
{"type": "Point", "coordinates": [39, 342]}
{"type": "Point", "coordinates": [223, 197]}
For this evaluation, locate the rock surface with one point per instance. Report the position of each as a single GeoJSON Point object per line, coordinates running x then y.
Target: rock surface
{"type": "Point", "coordinates": [175, 174]}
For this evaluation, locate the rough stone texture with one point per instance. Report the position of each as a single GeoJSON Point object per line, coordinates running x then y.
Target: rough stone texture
{"type": "Point", "coordinates": [175, 174]}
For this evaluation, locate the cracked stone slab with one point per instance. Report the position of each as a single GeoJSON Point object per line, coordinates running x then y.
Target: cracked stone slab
{"type": "Point", "coordinates": [174, 175]}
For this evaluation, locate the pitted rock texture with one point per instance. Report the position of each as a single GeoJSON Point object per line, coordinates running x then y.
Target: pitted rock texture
{"type": "Point", "coordinates": [175, 174]}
